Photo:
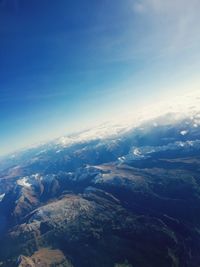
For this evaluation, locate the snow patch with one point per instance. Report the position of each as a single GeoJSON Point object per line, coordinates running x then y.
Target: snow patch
{"type": "Point", "coordinates": [121, 159]}
{"type": "Point", "coordinates": [2, 196]}
{"type": "Point", "coordinates": [184, 132]}
{"type": "Point", "coordinates": [181, 144]}
{"type": "Point", "coordinates": [137, 152]}
{"type": "Point", "coordinates": [23, 182]}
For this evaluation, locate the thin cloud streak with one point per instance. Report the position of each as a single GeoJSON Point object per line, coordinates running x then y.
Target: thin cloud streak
{"type": "Point", "coordinates": [175, 21]}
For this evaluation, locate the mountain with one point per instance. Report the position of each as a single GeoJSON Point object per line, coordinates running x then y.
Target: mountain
{"type": "Point", "coordinates": [118, 195]}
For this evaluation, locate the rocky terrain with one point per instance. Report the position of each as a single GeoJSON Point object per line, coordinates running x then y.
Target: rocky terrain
{"type": "Point", "coordinates": [131, 199]}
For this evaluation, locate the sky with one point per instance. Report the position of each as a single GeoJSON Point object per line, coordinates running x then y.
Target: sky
{"type": "Point", "coordinates": [66, 65]}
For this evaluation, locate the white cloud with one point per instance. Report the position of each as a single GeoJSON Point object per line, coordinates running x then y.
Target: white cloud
{"type": "Point", "coordinates": [168, 7]}
{"type": "Point", "coordinates": [175, 23]}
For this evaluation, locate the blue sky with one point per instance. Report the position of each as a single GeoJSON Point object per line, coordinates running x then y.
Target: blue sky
{"type": "Point", "coordinates": [66, 65]}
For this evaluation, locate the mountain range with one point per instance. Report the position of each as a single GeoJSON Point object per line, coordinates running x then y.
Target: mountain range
{"type": "Point", "coordinates": [122, 194]}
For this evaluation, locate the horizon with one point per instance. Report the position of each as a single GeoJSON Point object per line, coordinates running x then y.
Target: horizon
{"type": "Point", "coordinates": [184, 105]}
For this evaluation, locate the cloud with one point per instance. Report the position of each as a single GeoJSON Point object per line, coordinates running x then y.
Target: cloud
{"type": "Point", "coordinates": [153, 31]}
{"type": "Point", "coordinates": [174, 23]}
{"type": "Point", "coordinates": [183, 13]}
{"type": "Point", "coordinates": [167, 7]}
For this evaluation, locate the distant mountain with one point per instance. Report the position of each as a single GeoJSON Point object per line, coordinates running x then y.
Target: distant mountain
{"type": "Point", "coordinates": [118, 195]}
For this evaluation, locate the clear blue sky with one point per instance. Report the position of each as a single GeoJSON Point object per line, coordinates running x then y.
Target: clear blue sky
{"type": "Point", "coordinates": [67, 64]}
